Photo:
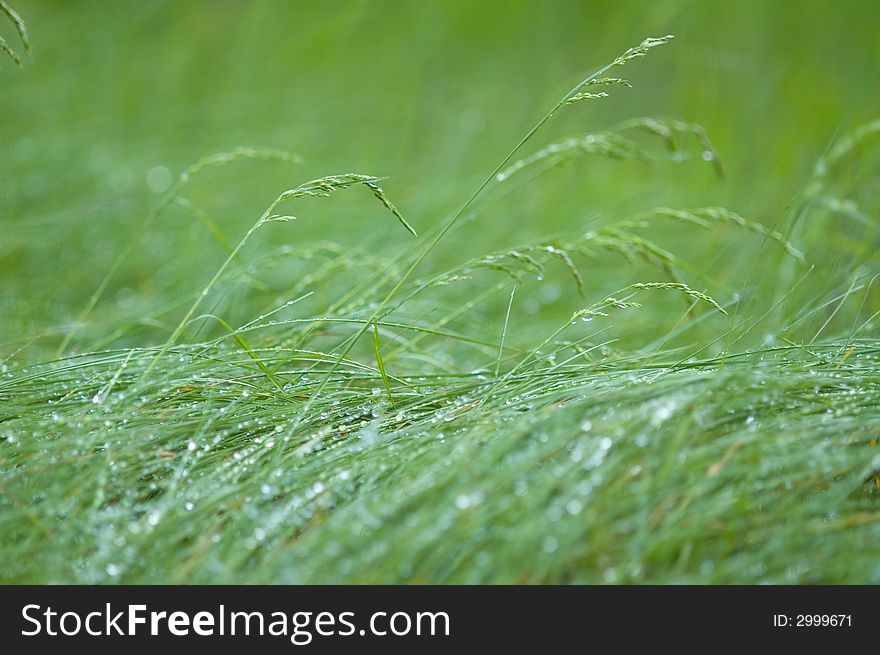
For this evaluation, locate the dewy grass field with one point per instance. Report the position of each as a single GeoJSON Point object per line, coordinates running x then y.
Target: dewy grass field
{"type": "Point", "coordinates": [640, 347]}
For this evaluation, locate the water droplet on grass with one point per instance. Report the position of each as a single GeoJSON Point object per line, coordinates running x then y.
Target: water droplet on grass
{"type": "Point", "coordinates": [465, 501]}
{"type": "Point", "coordinates": [159, 179]}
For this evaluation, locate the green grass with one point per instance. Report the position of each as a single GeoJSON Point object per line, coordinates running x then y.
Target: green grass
{"type": "Point", "coordinates": [618, 353]}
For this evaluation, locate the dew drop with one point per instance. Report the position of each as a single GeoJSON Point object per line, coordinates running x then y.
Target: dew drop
{"type": "Point", "coordinates": [159, 179]}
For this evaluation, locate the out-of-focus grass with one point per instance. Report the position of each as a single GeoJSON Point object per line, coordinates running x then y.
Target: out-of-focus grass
{"type": "Point", "coordinates": [431, 96]}
{"type": "Point", "coordinates": [662, 442]}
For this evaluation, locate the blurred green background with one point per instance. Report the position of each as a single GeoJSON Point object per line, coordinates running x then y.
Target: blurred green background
{"type": "Point", "coordinates": [119, 95]}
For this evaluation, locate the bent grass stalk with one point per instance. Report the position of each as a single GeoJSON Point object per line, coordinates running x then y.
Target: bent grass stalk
{"type": "Point", "coordinates": [633, 53]}
{"type": "Point", "coordinates": [598, 310]}
{"type": "Point", "coordinates": [321, 187]}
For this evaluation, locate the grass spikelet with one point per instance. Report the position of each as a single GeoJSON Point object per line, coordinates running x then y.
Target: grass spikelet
{"type": "Point", "coordinates": [723, 215]}
{"type": "Point", "coordinates": [4, 47]}
{"type": "Point", "coordinates": [555, 153]}
{"type": "Point", "coordinates": [596, 78]}
{"type": "Point", "coordinates": [642, 49]}
{"type": "Point", "coordinates": [522, 255]}
{"type": "Point", "coordinates": [583, 95]}
{"type": "Point", "coordinates": [603, 81]}
{"type": "Point", "coordinates": [516, 261]}
{"type": "Point", "coordinates": [632, 246]}
{"type": "Point", "coordinates": [237, 154]}
{"type": "Point", "coordinates": [576, 94]}
{"type": "Point", "coordinates": [527, 258]}
{"type": "Point", "coordinates": [707, 216]}
{"type": "Point", "coordinates": [616, 143]}
{"type": "Point", "coordinates": [588, 315]}
{"type": "Point", "coordinates": [562, 254]}
{"type": "Point", "coordinates": [681, 287]}
{"type": "Point", "coordinates": [380, 195]}
{"type": "Point", "coordinates": [609, 81]}
{"type": "Point", "coordinates": [324, 186]}
{"type": "Point", "coordinates": [667, 129]}
{"type": "Point", "coordinates": [510, 262]}
{"type": "Point", "coordinates": [20, 27]}
{"type": "Point", "coordinates": [597, 310]}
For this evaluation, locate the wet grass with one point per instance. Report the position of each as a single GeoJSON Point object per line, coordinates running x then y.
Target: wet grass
{"type": "Point", "coordinates": [652, 392]}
